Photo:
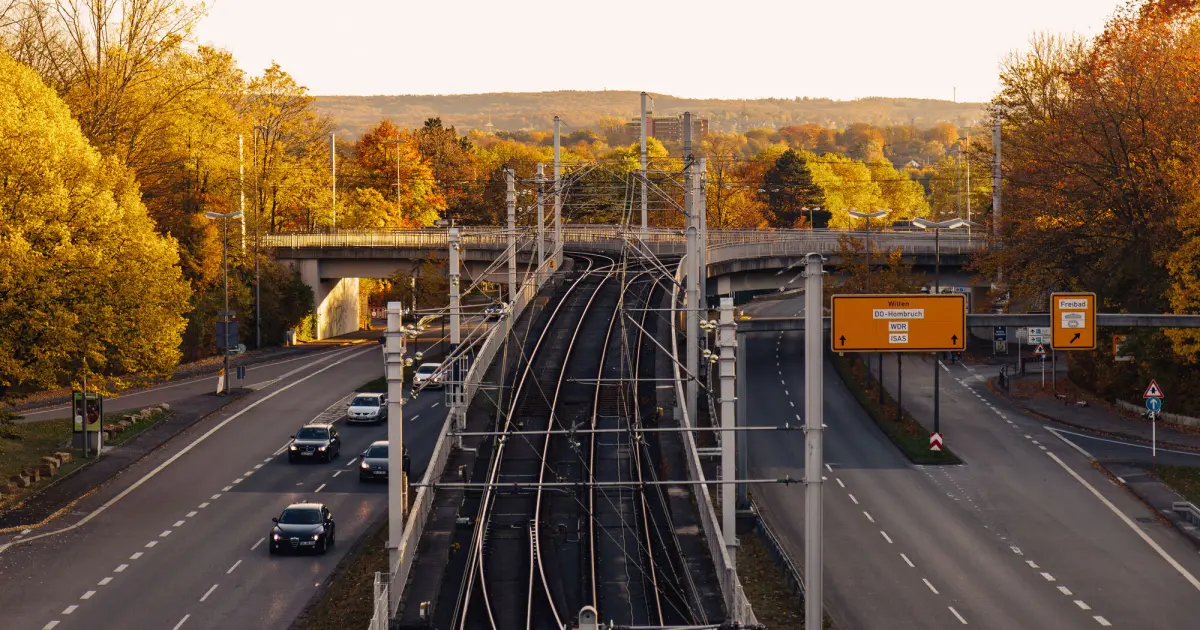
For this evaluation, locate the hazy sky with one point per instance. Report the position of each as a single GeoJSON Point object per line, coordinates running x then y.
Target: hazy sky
{"type": "Point", "coordinates": [841, 49]}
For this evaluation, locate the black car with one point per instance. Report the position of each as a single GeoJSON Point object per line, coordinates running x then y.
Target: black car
{"type": "Point", "coordinates": [315, 441]}
{"type": "Point", "coordinates": [374, 464]}
{"type": "Point", "coordinates": [303, 527]}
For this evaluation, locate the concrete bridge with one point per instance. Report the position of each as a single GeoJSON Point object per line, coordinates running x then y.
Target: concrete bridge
{"type": "Point", "coordinates": [737, 260]}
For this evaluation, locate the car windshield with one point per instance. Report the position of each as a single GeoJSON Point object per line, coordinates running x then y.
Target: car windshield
{"type": "Point", "coordinates": [378, 450]}
{"type": "Point", "coordinates": [427, 369]}
{"type": "Point", "coordinates": [365, 401]}
{"type": "Point", "coordinates": [300, 516]}
{"type": "Point", "coordinates": [309, 433]}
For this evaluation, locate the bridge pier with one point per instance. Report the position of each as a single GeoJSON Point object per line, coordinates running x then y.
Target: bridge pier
{"type": "Point", "coordinates": [335, 301]}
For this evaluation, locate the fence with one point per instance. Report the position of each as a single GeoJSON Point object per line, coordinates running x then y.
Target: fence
{"type": "Point", "coordinates": [731, 588]}
{"type": "Point", "coordinates": [379, 619]}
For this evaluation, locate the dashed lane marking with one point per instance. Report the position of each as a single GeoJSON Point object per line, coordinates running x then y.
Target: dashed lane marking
{"type": "Point", "coordinates": [235, 565]}
{"type": "Point", "coordinates": [191, 514]}
{"type": "Point", "coordinates": [840, 483]}
{"type": "Point", "coordinates": [51, 625]}
{"type": "Point", "coordinates": [70, 609]}
{"type": "Point", "coordinates": [1049, 578]}
{"type": "Point", "coordinates": [1101, 620]}
{"type": "Point", "coordinates": [181, 622]}
{"type": "Point", "coordinates": [178, 523]}
{"type": "Point", "coordinates": [868, 515]}
{"type": "Point", "coordinates": [853, 499]}
{"type": "Point", "coordinates": [226, 488]}
{"type": "Point", "coordinates": [165, 533]}
{"type": "Point", "coordinates": [208, 592]}
{"type": "Point", "coordinates": [87, 595]}
{"type": "Point", "coordinates": [1032, 564]}
{"type": "Point", "coordinates": [935, 591]}
{"type": "Point", "coordinates": [136, 555]}
{"type": "Point", "coordinates": [260, 541]}
{"type": "Point", "coordinates": [1064, 590]}
{"type": "Point", "coordinates": [960, 617]}
{"type": "Point", "coordinates": [1082, 605]}
{"type": "Point", "coordinates": [886, 537]}
{"type": "Point", "coordinates": [120, 568]}
{"type": "Point", "coordinates": [104, 582]}
{"type": "Point", "coordinates": [907, 561]}
{"type": "Point", "coordinates": [319, 488]}
{"type": "Point", "coordinates": [151, 544]}
{"type": "Point", "coordinates": [203, 505]}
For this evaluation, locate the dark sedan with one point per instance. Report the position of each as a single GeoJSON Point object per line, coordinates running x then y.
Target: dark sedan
{"type": "Point", "coordinates": [303, 527]}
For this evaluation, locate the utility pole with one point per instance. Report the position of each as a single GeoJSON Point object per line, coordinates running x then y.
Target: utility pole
{"type": "Point", "coordinates": [541, 220]}
{"type": "Point", "coordinates": [645, 230]}
{"type": "Point", "coordinates": [967, 192]}
{"type": "Point", "coordinates": [558, 237]}
{"type": "Point", "coordinates": [242, 189]}
{"type": "Point", "coordinates": [333, 173]}
{"type": "Point", "coordinates": [728, 342]}
{"type": "Point", "coordinates": [394, 366]}
{"type": "Point", "coordinates": [995, 179]}
{"type": "Point", "coordinates": [456, 377]}
{"type": "Point", "coordinates": [257, 220]}
{"type": "Point", "coordinates": [510, 198]}
{"type": "Point", "coordinates": [702, 212]}
{"type": "Point", "coordinates": [692, 295]}
{"type": "Point", "coordinates": [814, 391]}
{"type": "Point", "coordinates": [743, 497]}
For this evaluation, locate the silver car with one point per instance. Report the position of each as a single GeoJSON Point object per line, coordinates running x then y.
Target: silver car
{"type": "Point", "coordinates": [374, 464]}
{"type": "Point", "coordinates": [367, 408]}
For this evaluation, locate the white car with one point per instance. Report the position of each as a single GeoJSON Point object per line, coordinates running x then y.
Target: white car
{"type": "Point", "coordinates": [367, 408]}
{"type": "Point", "coordinates": [427, 375]}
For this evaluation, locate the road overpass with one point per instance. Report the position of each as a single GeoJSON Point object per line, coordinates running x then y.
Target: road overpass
{"type": "Point", "coordinates": [737, 260]}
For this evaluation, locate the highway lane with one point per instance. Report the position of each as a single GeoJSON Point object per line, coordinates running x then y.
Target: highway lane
{"type": "Point", "coordinates": [148, 560]}
{"type": "Point", "coordinates": [899, 552]}
{"type": "Point", "coordinates": [1039, 492]}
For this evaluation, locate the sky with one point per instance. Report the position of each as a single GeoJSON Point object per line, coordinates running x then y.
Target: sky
{"type": "Point", "coordinates": [841, 49]}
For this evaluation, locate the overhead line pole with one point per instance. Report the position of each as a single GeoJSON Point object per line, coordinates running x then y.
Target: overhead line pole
{"type": "Point", "coordinates": [814, 393]}
{"type": "Point", "coordinates": [541, 219]}
{"type": "Point", "coordinates": [692, 296]}
{"type": "Point", "coordinates": [397, 507]}
{"type": "Point", "coordinates": [728, 343]}
{"type": "Point", "coordinates": [645, 211]}
{"type": "Point", "coordinates": [510, 198]}
{"type": "Point", "coordinates": [558, 239]}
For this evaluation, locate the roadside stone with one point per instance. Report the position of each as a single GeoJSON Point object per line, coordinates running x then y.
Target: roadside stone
{"type": "Point", "coordinates": [64, 457]}
{"type": "Point", "coordinates": [33, 474]}
{"type": "Point", "coordinates": [146, 413]}
{"type": "Point", "coordinates": [165, 407]}
{"type": "Point", "coordinates": [20, 481]}
{"type": "Point", "coordinates": [47, 471]}
{"type": "Point", "coordinates": [49, 460]}
{"type": "Point", "coordinates": [131, 417]}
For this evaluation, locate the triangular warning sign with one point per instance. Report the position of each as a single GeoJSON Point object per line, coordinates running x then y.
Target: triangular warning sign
{"type": "Point", "coordinates": [1039, 350]}
{"type": "Point", "coordinates": [1152, 391]}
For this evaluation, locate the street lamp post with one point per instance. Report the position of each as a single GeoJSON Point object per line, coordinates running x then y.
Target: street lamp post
{"type": "Point", "coordinates": [937, 227]}
{"type": "Point", "coordinates": [397, 142]}
{"type": "Point", "coordinates": [257, 213]}
{"type": "Point", "coordinates": [225, 264]}
{"type": "Point", "coordinates": [868, 216]}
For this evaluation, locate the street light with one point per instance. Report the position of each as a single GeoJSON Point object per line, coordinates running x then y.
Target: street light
{"type": "Point", "coordinates": [397, 142]}
{"type": "Point", "coordinates": [225, 264]}
{"type": "Point", "coordinates": [810, 211]}
{"type": "Point", "coordinates": [257, 215]}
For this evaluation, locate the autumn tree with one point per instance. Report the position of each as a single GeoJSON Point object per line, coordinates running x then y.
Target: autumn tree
{"type": "Point", "coordinates": [788, 188]}
{"type": "Point", "coordinates": [90, 289]}
{"type": "Point", "coordinates": [396, 186]}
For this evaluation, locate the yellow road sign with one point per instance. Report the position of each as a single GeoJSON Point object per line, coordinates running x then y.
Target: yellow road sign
{"type": "Point", "coordinates": [899, 323]}
{"type": "Point", "coordinates": [1073, 321]}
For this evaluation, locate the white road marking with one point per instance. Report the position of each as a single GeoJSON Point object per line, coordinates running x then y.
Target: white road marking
{"type": "Point", "coordinates": [120, 568]}
{"type": "Point", "coordinates": [419, 415]}
{"type": "Point", "coordinates": [840, 483]}
{"type": "Point", "coordinates": [178, 523]}
{"type": "Point", "coordinates": [105, 581]}
{"type": "Point", "coordinates": [438, 403]}
{"type": "Point", "coordinates": [203, 505]}
{"type": "Point", "coordinates": [338, 472]}
{"type": "Point", "coordinates": [87, 595]}
{"type": "Point", "coordinates": [323, 485]}
{"type": "Point", "coordinates": [865, 513]}
{"type": "Point", "coordinates": [260, 541]}
{"type": "Point", "coordinates": [226, 488]}
{"type": "Point", "coordinates": [827, 466]}
{"type": "Point", "coordinates": [886, 537]}
{"type": "Point", "coordinates": [853, 499]}
{"type": "Point", "coordinates": [151, 543]}
{"type": "Point", "coordinates": [350, 464]}
{"type": "Point", "coordinates": [1027, 437]}
{"type": "Point", "coordinates": [1129, 444]}
{"type": "Point", "coordinates": [137, 484]}
{"type": "Point", "coordinates": [235, 564]}
{"type": "Point", "coordinates": [960, 617]}
{"type": "Point", "coordinates": [1064, 590]}
{"type": "Point", "coordinates": [799, 419]}
{"type": "Point", "coordinates": [70, 609]}
{"type": "Point", "coordinates": [208, 592]}
{"type": "Point", "coordinates": [51, 625]}
{"type": "Point", "coordinates": [1100, 620]}
{"type": "Point", "coordinates": [267, 460]}
{"type": "Point", "coordinates": [791, 403]}
{"type": "Point", "coordinates": [1049, 578]}
{"type": "Point", "coordinates": [907, 561]}
{"type": "Point", "coordinates": [25, 531]}
{"type": "Point", "coordinates": [1032, 564]}
{"type": "Point", "coordinates": [1043, 447]}
{"type": "Point", "coordinates": [191, 514]}
{"type": "Point", "coordinates": [1082, 605]}
{"type": "Point", "coordinates": [165, 533]}
{"type": "Point", "coordinates": [1137, 530]}
{"type": "Point", "coordinates": [1035, 442]}
{"type": "Point", "coordinates": [257, 466]}
{"type": "Point", "coordinates": [215, 497]}
{"type": "Point", "coordinates": [185, 617]}
{"type": "Point", "coordinates": [785, 392]}
{"type": "Point", "coordinates": [239, 480]}
{"type": "Point", "coordinates": [136, 556]}
{"type": "Point", "coordinates": [935, 591]}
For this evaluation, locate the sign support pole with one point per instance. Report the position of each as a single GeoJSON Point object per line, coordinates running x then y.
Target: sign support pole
{"type": "Point", "coordinates": [814, 393]}
{"type": "Point", "coordinates": [937, 390]}
{"type": "Point", "coordinates": [899, 387]}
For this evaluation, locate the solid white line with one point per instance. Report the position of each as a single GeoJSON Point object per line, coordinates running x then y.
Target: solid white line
{"type": "Point", "coordinates": [907, 561]}
{"type": "Point", "coordinates": [52, 624]}
{"type": "Point", "coordinates": [865, 513]}
{"type": "Point", "coordinates": [1100, 620]}
{"type": "Point", "coordinates": [87, 595]}
{"type": "Point", "coordinates": [137, 484]}
{"type": "Point", "coordinates": [853, 499]}
{"type": "Point", "coordinates": [839, 480]}
{"type": "Point", "coordinates": [165, 534]}
{"type": "Point", "coordinates": [1064, 590]}
{"type": "Point", "coordinates": [886, 537]}
{"type": "Point", "coordinates": [935, 591]}
{"type": "Point", "coordinates": [1073, 445]}
{"type": "Point", "coordinates": [151, 544]}
{"type": "Point", "coordinates": [235, 564]}
{"type": "Point", "coordinates": [105, 581]}
{"type": "Point", "coordinates": [136, 556]}
{"type": "Point", "coordinates": [319, 488]}
{"type": "Point", "coordinates": [191, 514]}
{"type": "Point", "coordinates": [1131, 444]}
{"type": "Point", "coordinates": [1079, 602]}
{"type": "Point", "coordinates": [1049, 578]}
{"type": "Point", "coordinates": [1153, 545]}
{"type": "Point", "coordinates": [185, 617]}
{"type": "Point", "coordinates": [120, 568]}
{"type": "Point", "coordinates": [260, 541]}
{"type": "Point", "coordinates": [208, 592]}
{"type": "Point", "coordinates": [73, 607]}
{"type": "Point", "coordinates": [960, 617]}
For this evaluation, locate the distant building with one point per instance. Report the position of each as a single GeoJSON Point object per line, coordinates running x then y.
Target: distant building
{"type": "Point", "coordinates": [668, 128]}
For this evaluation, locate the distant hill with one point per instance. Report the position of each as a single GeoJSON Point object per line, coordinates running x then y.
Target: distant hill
{"type": "Point", "coordinates": [535, 111]}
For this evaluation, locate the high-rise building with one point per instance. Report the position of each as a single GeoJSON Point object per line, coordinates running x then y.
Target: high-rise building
{"type": "Point", "coordinates": [668, 128]}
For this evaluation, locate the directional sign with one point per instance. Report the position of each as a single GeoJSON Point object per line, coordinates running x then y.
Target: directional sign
{"type": "Point", "coordinates": [1040, 351]}
{"type": "Point", "coordinates": [1154, 405]}
{"type": "Point", "coordinates": [999, 333]}
{"type": "Point", "coordinates": [898, 323]}
{"type": "Point", "coordinates": [1073, 321]}
{"type": "Point", "coordinates": [935, 441]}
{"type": "Point", "coordinates": [1153, 390]}
{"type": "Point", "coordinates": [1119, 353]}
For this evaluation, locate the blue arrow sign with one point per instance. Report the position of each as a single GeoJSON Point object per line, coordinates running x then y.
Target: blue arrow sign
{"type": "Point", "coordinates": [1154, 404]}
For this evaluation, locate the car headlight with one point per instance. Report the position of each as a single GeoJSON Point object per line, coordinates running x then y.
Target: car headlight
{"type": "Point", "coordinates": [320, 448]}
{"type": "Point", "coordinates": [292, 447]}
{"type": "Point", "coordinates": [364, 465]}
{"type": "Point", "coordinates": [275, 537]}
{"type": "Point", "coordinates": [316, 536]}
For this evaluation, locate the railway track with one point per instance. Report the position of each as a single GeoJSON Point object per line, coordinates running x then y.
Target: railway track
{"type": "Point", "coordinates": [538, 554]}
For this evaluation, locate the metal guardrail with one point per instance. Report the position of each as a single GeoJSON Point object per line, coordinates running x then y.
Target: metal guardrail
{"type": "Point", "coordinates": [379, 618]}
{"type": "Point", "coordinates": [736, 603]}
{"type": "Point", "coordinates": [792, 574]}
{"type": "Point", "coordinates": [423, 503]}
{"type": "Point", "coordinates": [1189, 511]}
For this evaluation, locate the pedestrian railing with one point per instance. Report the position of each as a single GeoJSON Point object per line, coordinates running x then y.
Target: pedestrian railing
{"type": "Point", "coordinates": [379, 616]}
{"type": "Point", "coordinates": [1188, 511]}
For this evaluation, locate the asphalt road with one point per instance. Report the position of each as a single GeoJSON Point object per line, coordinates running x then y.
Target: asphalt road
{"type": "Point", "coordinates": [177, 542]}
{"type": "Point", "coordinates": [1011, 540]}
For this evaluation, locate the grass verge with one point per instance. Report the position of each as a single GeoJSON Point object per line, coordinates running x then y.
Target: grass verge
{"type": "Point", "coordinates": [907, 434]}
{"type": "Point", "coordinates": [133, 430]}
{"type": "Point", "coordinates": [348, 602]}
{"type": "Point", "coordinates": [774, 603]}
{"type": "Point", "coordinates": [1182, 479]}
